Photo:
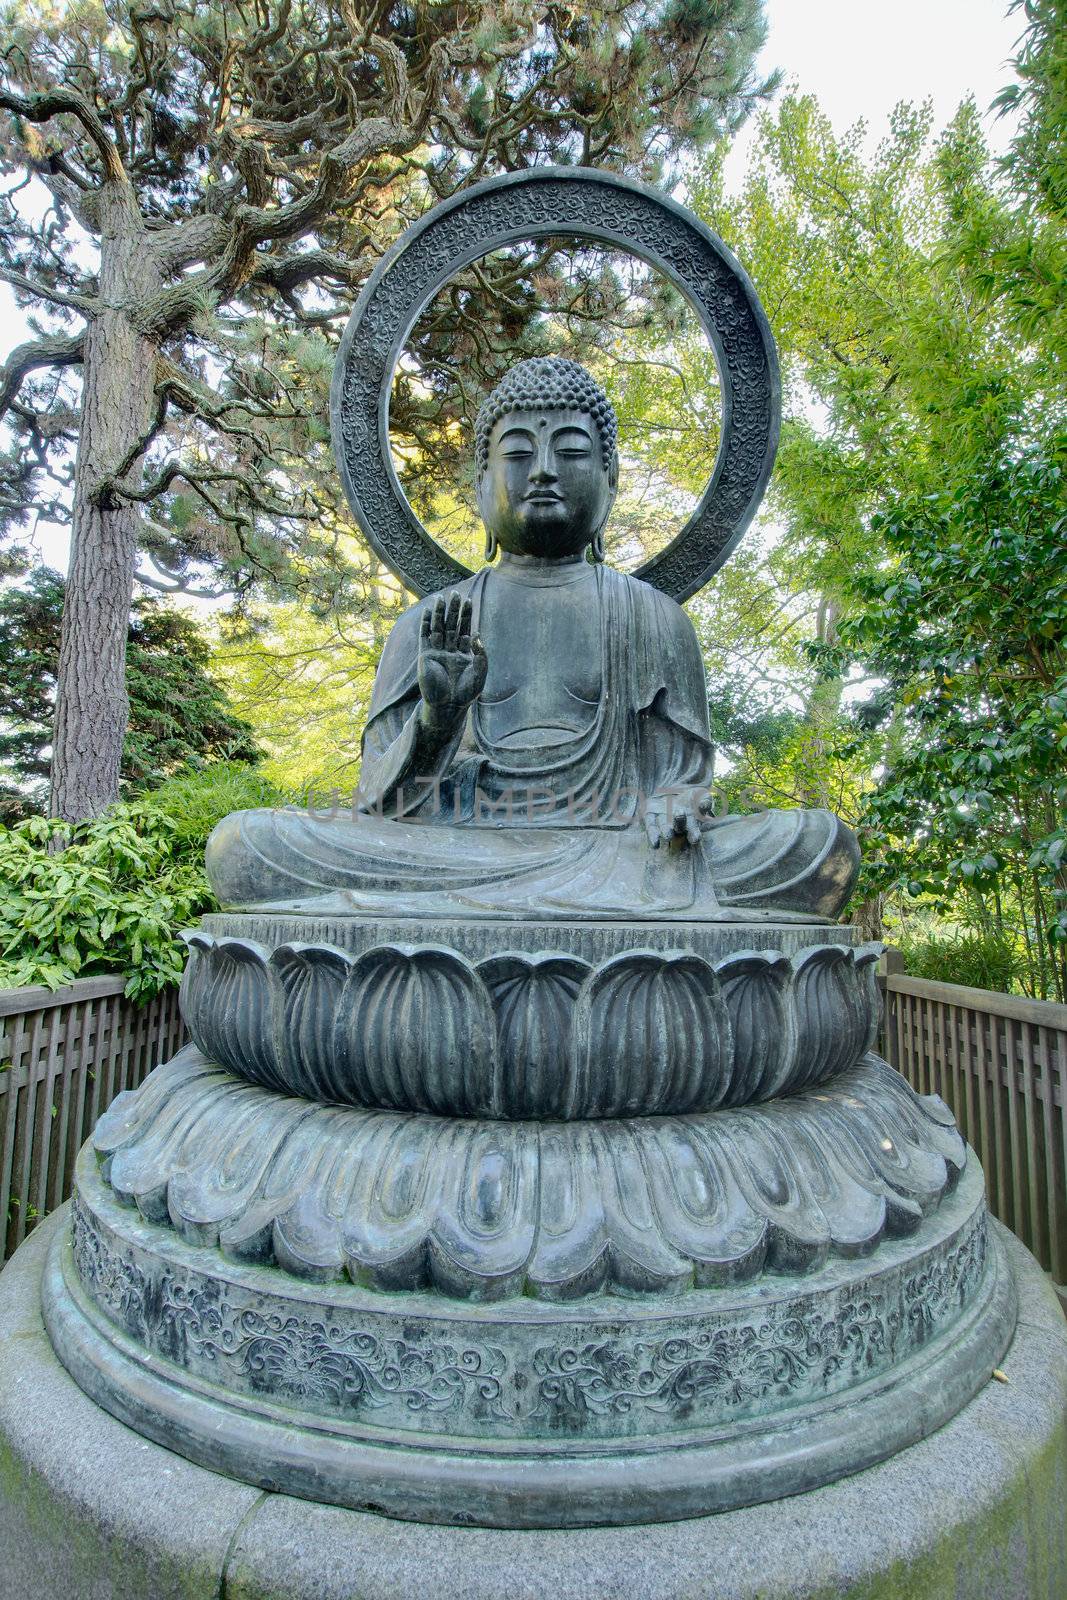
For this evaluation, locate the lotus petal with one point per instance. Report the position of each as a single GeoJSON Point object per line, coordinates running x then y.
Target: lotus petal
{"type": "Point", "coordinates": [533, 997]}
{"type": "Point", "coordinates": [415, 1031]}
{"type": "Point", "coordinates": [308, 983]}
{"type": "Point", "coordinates": [757, 988]}
{"type": "Point", "coordinates": [651, 1035]}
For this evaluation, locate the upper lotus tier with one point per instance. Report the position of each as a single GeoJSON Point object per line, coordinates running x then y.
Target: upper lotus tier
{"type": "Point", "coordinates": [545, 1035]}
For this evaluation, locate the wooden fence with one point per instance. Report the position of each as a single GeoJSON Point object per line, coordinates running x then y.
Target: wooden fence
{"type": "Point", "coordinates": [64, 1056]}
{"type": "Point", "coordinates": [1000, 1061]}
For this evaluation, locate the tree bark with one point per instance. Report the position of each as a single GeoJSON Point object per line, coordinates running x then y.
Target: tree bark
{"type": "Point", "coordinates": [869, 918]}
{"type": "Point", "coordinates": [118, 374]}
{"type": "Point", "coordinates": [823, 705]}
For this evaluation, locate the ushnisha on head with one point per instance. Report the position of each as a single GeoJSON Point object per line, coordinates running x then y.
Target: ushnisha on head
{"type": "Point", "coordinates": [547, 466]}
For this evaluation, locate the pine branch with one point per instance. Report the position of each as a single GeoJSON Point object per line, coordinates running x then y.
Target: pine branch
{"type": "Point", "coordinates": [86, 304]}
{"type": "Point", "coordinates": [178, 245]}
{"type": "Point", "coordinates": [373, 137]}
{"type": "Point", "coordinates": [197, 400]}
{"type": "Point", "coordinates": [62, 102]}
{"type": "Point", "coordinates": [59, 350]}
{"type": "Point", "coordinates": [290, 272]}
{"type": "Point", "coordinates": [171, 581]}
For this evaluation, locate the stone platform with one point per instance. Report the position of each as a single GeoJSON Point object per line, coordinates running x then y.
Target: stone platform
{"type": "Point", "coordinates": [588, 939]}
{"type": "Point", "coordinates": [91, 1511]}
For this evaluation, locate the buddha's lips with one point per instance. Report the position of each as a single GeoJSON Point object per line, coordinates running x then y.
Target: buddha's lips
{"type": "Point", "coordinates": [543, 497]}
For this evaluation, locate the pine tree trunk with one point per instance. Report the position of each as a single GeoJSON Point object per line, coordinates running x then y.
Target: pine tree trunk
{"type": "Point", "coordinates": [118, 373]}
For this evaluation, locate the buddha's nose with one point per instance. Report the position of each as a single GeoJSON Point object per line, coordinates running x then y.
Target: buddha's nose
{"type": "Point", "coordinates": [544, 467]}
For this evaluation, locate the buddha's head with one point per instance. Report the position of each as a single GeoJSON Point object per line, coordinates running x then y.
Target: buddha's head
{"type": "Point", "coordinates": [546, 461]}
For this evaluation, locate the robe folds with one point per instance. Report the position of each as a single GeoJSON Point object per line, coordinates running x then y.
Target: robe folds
{"type": "Point", "coordinates": [542, 832]}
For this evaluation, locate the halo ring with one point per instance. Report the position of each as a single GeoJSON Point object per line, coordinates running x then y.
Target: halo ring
{"type": "Point", "coordinates": [538, 203]}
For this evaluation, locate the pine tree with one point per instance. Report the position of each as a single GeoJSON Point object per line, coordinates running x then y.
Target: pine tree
{"type": "Point", "coordinates": [237, 169]}
{"type": "Point", "coordinates": [179, 715]}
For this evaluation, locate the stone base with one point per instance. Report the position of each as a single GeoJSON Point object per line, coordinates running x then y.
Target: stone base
{"type": "Point", "coordinates": [89, 1510]}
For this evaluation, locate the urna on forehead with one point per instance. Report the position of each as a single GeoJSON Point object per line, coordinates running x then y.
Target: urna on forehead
{"type": "Point", "coordinates": [546, 383]}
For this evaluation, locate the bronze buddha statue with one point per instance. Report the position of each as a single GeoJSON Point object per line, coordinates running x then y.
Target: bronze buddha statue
{"type": "Point", "coordinates": [538, 741]}
{"type": "Point", "coordinates": [530, 1164]}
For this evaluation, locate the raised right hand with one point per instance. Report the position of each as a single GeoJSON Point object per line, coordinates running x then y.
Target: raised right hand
{"type": "Point", "coordinates": [452, 665]}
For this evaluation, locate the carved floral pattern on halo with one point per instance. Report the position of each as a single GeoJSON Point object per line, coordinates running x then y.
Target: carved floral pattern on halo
{"type": "Point", "coordinates": [534, 204]}
{"type": "Point", "coordinates": [421, 1028]}
{"type": "Point", "coordinates": [484, 1209]}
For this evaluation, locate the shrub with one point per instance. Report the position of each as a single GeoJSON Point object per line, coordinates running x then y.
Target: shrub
{"type": "Point", "coordinates": [195, 800]}
{"type": "Point", "coordinates": [113, 894]}
{"type": "Point", "coordinates": [976, 960]}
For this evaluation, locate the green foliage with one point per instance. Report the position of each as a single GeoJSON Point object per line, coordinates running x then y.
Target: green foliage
{"type": "Point", "coordinates": [304, 682]}
{"type": "Point", "coordinates": [968, 626]}
{"type": "Point", "coordinates": [112, 894]}
{"type": "Point", "coordinates": [976, 960]}
{"type": "Point", "coordinates": [193, 801]}
{"type": "Point", "coordinates": [910, 618]}
{"type": "Point", "coordinates": [178, 712]}
{"type": "Point", "coordinates": [1038, 159]}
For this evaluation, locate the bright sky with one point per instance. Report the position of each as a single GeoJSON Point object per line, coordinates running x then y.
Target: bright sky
{"type": "Point", "coordinates": [859, 57]}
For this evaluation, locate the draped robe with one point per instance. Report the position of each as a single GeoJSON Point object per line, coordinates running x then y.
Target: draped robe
{"type": "Point", "coordinates": [541, 831]}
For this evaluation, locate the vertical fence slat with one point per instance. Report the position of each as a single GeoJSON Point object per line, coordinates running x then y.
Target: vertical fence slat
{"type": "Point", "coordinates": [16, 1041]}
{"type": "Point", "coordinates": [896, 1007]}
{"type": "Point", "coordinates": [962, 1077]}
{"type": "Point", "coordinates": [78, 1131]}
{"type": "Point", "coordinates": [65, 1095]}
{"type": "Point", "coordinates": [1038, 1218]}
{"type": "Point", "coordinates": [1053, 1173]}
{"type": "Point", "coordinates": [102, 1038]}
{"type": "Point", "coordinates": [971, 1082]}
{"type": "Point", "coordinates": [42, 1156]}
{"type": "Point", "coordinates": [1003, 1090]}
{"type": "Point", "coordinates": [20, 1177]}
{"type": "Point", "coordinates": [985, 1100]}
{"type": "Point", "coordinates": [1015, 1139]}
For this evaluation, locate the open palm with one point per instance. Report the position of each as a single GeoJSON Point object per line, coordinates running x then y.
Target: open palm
{"type": "Point", "coordinates": [452, 664]}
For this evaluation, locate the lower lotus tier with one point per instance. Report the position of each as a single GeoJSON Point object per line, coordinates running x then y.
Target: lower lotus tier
{"type": "Point", "coordinates": [554, 1210]}
{"type": "Point", "coordinates": [525, 1413]}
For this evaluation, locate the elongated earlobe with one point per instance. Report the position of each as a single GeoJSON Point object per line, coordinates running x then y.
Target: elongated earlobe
{"type": "Point", "coordinates": [491, 545]}
{"type": "Point", "coordinates": [597, 545]}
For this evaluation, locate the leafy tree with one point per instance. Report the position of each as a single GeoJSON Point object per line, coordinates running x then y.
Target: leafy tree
{"type": "Point", "coordinates": [1037, 162]}
{"type": "Point", "coordinates": [178, 712]}
{"type": "Point", "coordinates": [968, 629]}
{"type": "Point", "coordinates": [237, 170]}
{"type": "Point", "coordinates": [878, 645]}
{"type": "Point", "coordinates": [303, 680]}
